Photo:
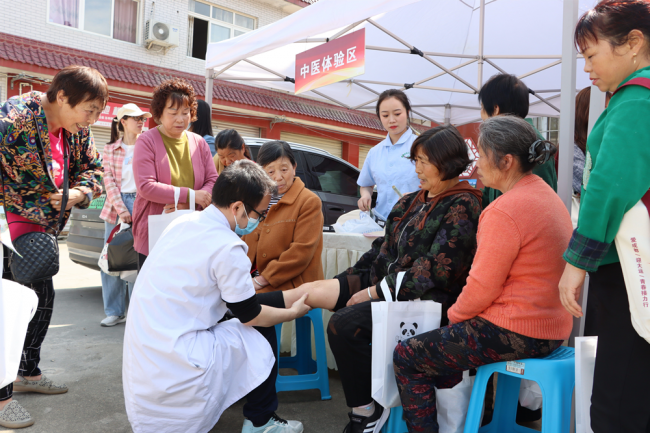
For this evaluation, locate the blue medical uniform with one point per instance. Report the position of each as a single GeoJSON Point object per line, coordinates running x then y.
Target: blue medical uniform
{"type": "Point", "coordinates": [388, 164]}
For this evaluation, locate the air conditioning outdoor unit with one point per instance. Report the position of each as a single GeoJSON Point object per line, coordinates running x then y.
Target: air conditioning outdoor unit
{"type": "Point", "coordinates": [161, 34]}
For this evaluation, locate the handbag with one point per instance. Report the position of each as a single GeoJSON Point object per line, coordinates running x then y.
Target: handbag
{"type": "Point", "coordinates": [38, 252]}
{"type": "Point", "coordinates": [120, 252]}
{"type": "Point", "coordinates": [393, 322]}
{"type": "Point", "coordinates": [158, 223]}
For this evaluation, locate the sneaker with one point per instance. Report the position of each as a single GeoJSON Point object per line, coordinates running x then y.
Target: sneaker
{"type": "Point", "coordinates": [112, 321]}
{"type": "Point", "coordinates": [43, 386]}
{"type": "Point", "coordinates": [275, 425]}
{"type": "Point", "coordinates": [15, 416]}
{"type": "Point", "coordinates": [364, 424]}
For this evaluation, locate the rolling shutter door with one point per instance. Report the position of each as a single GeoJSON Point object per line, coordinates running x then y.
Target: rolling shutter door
{"type": "Point", "coordinates": [102, 136]}
{"type": "Point", "coordinates": [363, 153]}
{"type": "Point", "coordinates": [244, 130]}
{"type": "Point", "coordinates": [332, 146]}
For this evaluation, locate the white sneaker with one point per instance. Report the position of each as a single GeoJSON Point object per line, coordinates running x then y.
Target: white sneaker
{"type": "Point", "coordinates": [112, 321]}
{"type": "Point", "coordinates": [275, 425]}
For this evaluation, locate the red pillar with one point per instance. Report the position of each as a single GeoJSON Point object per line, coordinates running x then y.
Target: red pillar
{"type": "Point", "coordinates": [351, 153]}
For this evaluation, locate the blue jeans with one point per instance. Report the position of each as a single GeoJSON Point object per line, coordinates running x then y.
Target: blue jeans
{"type": "Point", "coordinates": [114, 289]}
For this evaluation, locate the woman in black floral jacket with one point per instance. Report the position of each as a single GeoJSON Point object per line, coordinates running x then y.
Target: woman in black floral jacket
{"type": "Point", "coordinates": [36, 131]}
{"type": "Point", "coordinates": [430, 236]}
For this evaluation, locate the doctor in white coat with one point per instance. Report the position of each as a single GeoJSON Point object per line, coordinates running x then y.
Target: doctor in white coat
{"type": "Point", "coordinates": [185, 359]}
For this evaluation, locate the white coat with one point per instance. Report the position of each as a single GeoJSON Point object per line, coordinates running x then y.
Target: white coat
{"type": "Point", "coordinates": [181, 369]}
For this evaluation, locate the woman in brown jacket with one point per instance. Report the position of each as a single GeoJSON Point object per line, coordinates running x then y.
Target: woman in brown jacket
{"type": "Point", "coordinates": [286, 246]}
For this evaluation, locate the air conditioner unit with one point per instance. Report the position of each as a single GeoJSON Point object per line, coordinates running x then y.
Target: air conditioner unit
{"type": "Point", "coordinates": [162, 34]}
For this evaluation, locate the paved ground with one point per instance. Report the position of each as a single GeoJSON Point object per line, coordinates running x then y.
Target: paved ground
{"type": "Point", "coordinates": [88, 358]}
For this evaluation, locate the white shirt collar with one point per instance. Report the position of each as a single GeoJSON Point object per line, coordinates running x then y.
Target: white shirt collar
{"type": "Point", "coordinates": [406, 136]}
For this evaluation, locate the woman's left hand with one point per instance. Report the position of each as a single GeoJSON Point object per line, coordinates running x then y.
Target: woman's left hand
{"type": "Point", "coordinates": [260, 282]}
{"type": "Point", "coordinates": [570, 285]}
{"type": "Point", "coordinates": [74, 196]}
{"type": "Point", "coordinates": [362, 296]}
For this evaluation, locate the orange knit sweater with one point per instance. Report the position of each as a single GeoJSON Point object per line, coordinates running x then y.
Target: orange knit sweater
{"type": "Point", "coordinates": [514, 278]}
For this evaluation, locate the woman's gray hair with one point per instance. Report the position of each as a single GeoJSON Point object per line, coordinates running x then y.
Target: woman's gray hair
{"type": "Point", "coordinates": [511, 135]}
{"type": "Point", "coordinates": [244, 181]}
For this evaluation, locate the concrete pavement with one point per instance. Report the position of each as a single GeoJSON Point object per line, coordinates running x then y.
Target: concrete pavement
{"type": "Point", "coordinates": [88, 358]}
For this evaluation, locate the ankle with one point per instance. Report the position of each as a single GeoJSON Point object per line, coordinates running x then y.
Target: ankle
{"type": "Point", "coordinates": [365, 410]}
{"type": "Point", "coordinates": [32, 378]}
{"type": "Point", "coordinates": [5, 402]}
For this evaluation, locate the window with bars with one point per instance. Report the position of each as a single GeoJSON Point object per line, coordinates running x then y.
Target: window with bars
{"type": "Point", "coordinates": [209, 23]}
{"type": "Point", "coordinates": [549, 127]}
{"type": "Point", "coordinates": [117, 19]}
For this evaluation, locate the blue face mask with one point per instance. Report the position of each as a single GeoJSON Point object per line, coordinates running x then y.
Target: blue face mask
{"type": "Point", "coordinates": [252, 225]}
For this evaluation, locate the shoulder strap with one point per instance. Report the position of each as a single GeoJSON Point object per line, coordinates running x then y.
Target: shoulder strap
{"type": "Point", "coordinates": [638, 81]}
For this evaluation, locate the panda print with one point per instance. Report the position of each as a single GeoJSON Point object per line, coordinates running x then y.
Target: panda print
{"type": "Point", "coordinates": [406, 330]}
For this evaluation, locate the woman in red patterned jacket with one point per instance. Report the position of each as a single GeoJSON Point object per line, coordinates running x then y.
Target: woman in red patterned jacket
{"type": "Point", "coordinates": [119, 184]}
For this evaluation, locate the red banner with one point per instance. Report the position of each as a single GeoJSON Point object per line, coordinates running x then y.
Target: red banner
{"type": "Point", "coordinates": [110, 111]}
{"type": "Point", "coordinates": [331, 62]}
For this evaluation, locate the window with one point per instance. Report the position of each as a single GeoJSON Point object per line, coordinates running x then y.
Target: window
{"type": "Point", "coordinates": [549, 127]}
{"type": "Point", "coordinates": [210, 23]}
{"type": "Point", "coordinates": [333, 176]}
{"type": "Point", "coordinates": [117, 19]}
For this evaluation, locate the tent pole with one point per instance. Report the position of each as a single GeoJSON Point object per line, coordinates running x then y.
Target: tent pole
{"type": "Point", "coordinates": [481, 43]}
{"type": "Point", "coordinates": [448, 111]}
{"type": "Point", "coordinates": [209, 82]}
{"type": "Point", "coordinates": [567, 125]}
{"type": "Point", "coordinates": [597, 102]}
{"type": "Point", "coordinates": [543, 68]}
{"type": "Point", "coordinates": [344, 31]}
{"type": "Point", "coordinates": [216, 74]}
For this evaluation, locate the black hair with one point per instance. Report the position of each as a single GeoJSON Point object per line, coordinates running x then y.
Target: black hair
{"type": "Point", "coordinates": [510, 135]}
{"type": "Point", "coordinates": [203, 123]}
{"type": "Point", "coordinates": [397, 94]}
{"type": "Point", "coordinates": [274, 150]}
{"type": "Point", "coordinates": [230, 139]}
{"type": "Point", "coordinates": [243, 181]}
{"type": "Point", "coordinates": [445, 148]}
{"type": "Point", "coordinates": [116, 128]}
{"type": "Point", "coordinates": [79, 84]}
{"type": "Point", "coordinates": [508, 93]}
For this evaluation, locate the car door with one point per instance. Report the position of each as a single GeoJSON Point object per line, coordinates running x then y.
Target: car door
{"type": "Point", "coordinates": [335, 183]}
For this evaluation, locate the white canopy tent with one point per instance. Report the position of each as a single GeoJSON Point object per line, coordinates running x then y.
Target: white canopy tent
{"type": "Point", "coordinates": [441, 51]}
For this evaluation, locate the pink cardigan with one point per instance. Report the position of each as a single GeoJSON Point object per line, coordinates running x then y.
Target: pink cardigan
{"type": "Point", "coordinates": [153, 179]}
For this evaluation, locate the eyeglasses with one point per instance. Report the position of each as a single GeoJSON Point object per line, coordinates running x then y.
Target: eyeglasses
{"type": "Point", "coordinates": [137, 119]}
{"type": "Point", "coordinates": [262, 216]}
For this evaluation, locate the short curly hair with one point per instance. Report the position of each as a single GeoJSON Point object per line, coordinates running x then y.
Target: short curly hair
{"type": "Point", "coordinates": [179, 91]}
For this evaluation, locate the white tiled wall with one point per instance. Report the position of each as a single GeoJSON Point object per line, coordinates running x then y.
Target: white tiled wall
{"type": "Point", "coordinates": [174, 12]}
{"type": "Point", "coordinates": [3, 87]}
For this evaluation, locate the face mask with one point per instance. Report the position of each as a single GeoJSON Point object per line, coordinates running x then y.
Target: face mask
{"type": "Point", "coordinates": [252, 225]}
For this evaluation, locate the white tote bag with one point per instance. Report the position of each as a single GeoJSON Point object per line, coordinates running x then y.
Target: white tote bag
{"type": "Point", "coordinates": [393, 322]}
{"type": "Point", "coordinates": [158, 223]}
{"type": "Point", "coordinates": [633, 247]}
{"type": "Point", "coordinates": [585, 365]}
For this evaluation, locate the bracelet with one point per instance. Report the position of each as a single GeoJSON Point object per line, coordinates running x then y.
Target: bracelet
{"type": "Point", "coordinates": [369, 294]}
{"type": "Point", "coordinates": [257, 282]}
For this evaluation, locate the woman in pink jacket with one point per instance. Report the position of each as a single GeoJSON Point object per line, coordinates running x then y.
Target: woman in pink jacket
{"type": "Point", "coordinates": [169, 156]}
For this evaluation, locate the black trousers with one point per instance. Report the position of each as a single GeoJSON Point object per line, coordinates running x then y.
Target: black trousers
{"type": "Point", "coordinates": [36, 330]}
{"type": "Point", "coordinates": [263, 400]}
{"type": "Point", "coordinates": [621, 394]}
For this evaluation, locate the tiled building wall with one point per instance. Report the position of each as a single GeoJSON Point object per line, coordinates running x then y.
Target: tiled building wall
{"type": "Point", "coordinates": [173, 12]}
{"type": "Point", "coordinates": [3, 86]}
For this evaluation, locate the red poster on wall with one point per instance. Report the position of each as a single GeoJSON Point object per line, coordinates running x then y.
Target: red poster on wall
{"type": "Point", "coordinates": [331, 62]}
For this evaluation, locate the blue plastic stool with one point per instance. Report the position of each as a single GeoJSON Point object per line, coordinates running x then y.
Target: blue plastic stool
{"type": "Point", "coordinates": [395, 423]}
{"type": "Point", "coordinates": [311, 374]}
{"type": "Point", "coordinates": [555, 375]}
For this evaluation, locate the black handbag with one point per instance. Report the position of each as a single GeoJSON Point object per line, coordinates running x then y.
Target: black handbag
{"type": "Point", "coordinates": [120, 252]}
{"type": "Point", "coordinates": [38, 257]}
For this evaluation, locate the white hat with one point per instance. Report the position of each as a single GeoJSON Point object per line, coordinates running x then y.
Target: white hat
{"type": "Point", "coordinates": [131, 110]}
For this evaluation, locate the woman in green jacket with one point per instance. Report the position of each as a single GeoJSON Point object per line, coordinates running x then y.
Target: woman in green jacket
{"type": "Point", "coordinates": [614, 38]}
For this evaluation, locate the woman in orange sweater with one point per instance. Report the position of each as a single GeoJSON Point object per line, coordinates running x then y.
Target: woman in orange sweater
{"type": "Point", "coordinates": [510, 307]}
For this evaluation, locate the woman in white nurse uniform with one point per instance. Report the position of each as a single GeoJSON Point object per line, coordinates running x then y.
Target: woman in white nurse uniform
{"type": "Point", "coordinates": [388, 163]}
{"type": "Point", "coordinates": [184, 361]}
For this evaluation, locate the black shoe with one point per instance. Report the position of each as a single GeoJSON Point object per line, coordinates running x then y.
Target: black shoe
{"type": "Point", "coordinates": [525, 415]}
{"type": "Point", "coordinates": [364, 424]}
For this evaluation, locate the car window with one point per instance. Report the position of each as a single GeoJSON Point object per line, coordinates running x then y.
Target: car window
{"type": "Point", "coordinates": [333, 176]}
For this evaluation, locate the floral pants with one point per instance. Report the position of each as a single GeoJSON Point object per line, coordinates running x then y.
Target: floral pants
{"type": "Point", "coordinates": [439, 357]}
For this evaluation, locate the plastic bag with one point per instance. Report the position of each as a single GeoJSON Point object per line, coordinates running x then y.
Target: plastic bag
{"type": "Point", "coordinates": [585, 364]}
{"type": "Point", "coordinates": [120, 252]}
{"type": "Point", "coordinates": [453, 403]}
{"type": "Point", "coordinates": [364, 224]}
{"type": "Point", "coordinates": [530, 394]}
